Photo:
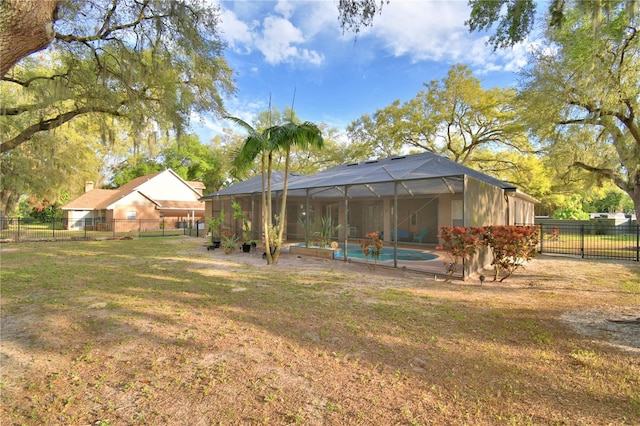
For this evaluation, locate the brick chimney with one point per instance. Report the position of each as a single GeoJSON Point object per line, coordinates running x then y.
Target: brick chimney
{"type": "Point", "coordinates": [88, 186]}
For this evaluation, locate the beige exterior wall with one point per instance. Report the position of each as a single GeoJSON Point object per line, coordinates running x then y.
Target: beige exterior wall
{"type": "Point", "coordinates": [445, 208]}
{"type": "Point", "coordinates": [484, 204]}
{"type": "Point", "coordinates": [77, 219]}
{"type": "Point", "coordinates": [143, 207]}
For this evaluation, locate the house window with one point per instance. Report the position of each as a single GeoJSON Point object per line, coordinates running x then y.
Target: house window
{"type": "Point", "coordinates": [414, 218]}
{"type": "Point", "coordinates": [132, 215]}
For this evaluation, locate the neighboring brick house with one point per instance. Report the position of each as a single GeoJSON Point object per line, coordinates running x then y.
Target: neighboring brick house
{"type": "Point", "coordinates": [161, 197]}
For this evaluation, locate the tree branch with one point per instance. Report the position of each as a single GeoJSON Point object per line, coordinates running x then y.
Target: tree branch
{"type": "Point", "coordinates": [51, 123]}
{"type": "Point", "coordinates": [104, 32]}
{"type": "Point", "coordinates": [27, 83]}
{"type": "Point", "coordinates": [607, 173]}
{"type": "Point", "coordinates": [9, 111]}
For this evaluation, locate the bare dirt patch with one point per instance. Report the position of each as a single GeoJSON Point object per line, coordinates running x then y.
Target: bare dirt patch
{"type": "Point", "coordinates": [165, 332]}
{"type": "Point", "coordinates": [617, 326]}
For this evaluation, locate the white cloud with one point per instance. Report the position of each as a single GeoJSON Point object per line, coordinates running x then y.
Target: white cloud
{"type": "Point", "coordinates": [236, 33]}
{"type": "Point", "coordinates": [285, 8]}
{"type": "Point", "coordinates": [319, 17]}
{"type": "Point", "coordinates": [435, 31]}
{"type": "Point", "coordinates": [432, 30]}
{"type": "Point", "coordinates": [276, 37]}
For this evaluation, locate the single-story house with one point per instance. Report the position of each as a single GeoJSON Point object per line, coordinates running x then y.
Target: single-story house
{"type": "Point", "coordinates": [407, 196]}
{"type": "Point", "coordinates": [161, 197]}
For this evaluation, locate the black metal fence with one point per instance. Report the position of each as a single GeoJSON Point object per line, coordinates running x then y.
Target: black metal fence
{"type": "Point", "coordinates": [593, 239]}
{"type": "Point", "coordinates": [29, 229]}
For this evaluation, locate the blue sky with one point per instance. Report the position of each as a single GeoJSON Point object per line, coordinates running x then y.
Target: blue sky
{"type": "Point", "coordinates": [276, 47]}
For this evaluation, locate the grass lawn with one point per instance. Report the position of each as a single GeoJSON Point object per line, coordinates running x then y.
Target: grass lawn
{"type": "Point", "coordinates": [160, 331]}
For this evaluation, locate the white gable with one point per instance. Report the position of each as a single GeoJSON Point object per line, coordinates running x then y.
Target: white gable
{"type": "Point", "coordinates": [168, 186]}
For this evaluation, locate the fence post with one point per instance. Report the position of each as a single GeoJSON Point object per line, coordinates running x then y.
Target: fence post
{"type": "Point", "coordinates": [541, 228]}
{"type": "Point", "coordinates": [582, 240]}
{"type": "Point", "coordinates": [163, 226]}
{"type": "Point", "coordinates": [19, 219]}
{"type": "Point", "coordinates": [53, 227]}
{"type": "Point", "coordinates": [638, 242]}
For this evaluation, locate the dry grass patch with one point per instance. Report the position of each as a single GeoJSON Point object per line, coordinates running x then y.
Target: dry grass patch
{"type": "Point", "coordinates": [161, 331]}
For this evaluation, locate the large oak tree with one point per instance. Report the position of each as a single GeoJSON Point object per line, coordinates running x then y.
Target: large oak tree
{"type": "Point", "coordinates": [457, 118]}
{"type": "Point", "coordinates": [584, 99]}
{"type": "Point", "coordinates": [148, 63]}
{"type": "Point", "coordinates": [25, 27]}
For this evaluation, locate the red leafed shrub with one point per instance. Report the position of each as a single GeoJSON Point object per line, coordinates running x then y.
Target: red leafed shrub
{"type": "Point", "coordinates": [512, 247]}
{"type": "Point", "coordinates": [460, 243]}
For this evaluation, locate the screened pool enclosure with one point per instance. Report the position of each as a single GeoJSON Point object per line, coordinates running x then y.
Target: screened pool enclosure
{"type": "Point", "coordinates": [403, 198]}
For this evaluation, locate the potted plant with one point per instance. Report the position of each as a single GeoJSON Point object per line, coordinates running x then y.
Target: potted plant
{"type": "Point", "coordinates": [327, 230]}
{"type": "Point", "coordinates": [229, 243]}
{"type": "Point", "coordinates": [214, 230]}
{"type": "Point", "coordinates": [246, 229]}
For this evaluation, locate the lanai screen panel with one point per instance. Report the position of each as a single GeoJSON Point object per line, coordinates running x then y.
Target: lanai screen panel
{"type": "Point", "coordinates": [413, 187]}
{"type": "Point", "coordinates": [433, 186]}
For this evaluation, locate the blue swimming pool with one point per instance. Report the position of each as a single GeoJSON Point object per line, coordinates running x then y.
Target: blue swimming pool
{"type": "Point", "coordinates": [354, 251]}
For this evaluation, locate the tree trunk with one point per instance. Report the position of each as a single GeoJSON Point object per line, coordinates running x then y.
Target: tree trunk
{"type": "Point", "coordinates": [26, 26]}
{"type": "Point", "coordinates": [269, 215]}
{"type": "Point", "coordinates": [283, 205]}
{"type": "Point", "coordinates": [635, 195]}
{"type": "Point", "coordinates": [8, 203]}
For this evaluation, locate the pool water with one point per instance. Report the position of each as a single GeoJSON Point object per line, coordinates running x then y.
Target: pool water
{"type": "Point", "coordinates": [354, 251]}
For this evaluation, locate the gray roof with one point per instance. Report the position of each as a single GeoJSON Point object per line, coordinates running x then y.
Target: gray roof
{"type": "Point", "coordinates": [376, 178]}
{"type": "Point", "coordinates": [252, 185]}
{"type": "Point", "coordinates": [398, 168]}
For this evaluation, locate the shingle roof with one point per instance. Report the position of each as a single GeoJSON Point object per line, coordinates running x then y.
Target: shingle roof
{"type": "Point", "coordinates": [90, 200]}
{"type": "Point", "coordinates": [196, 184]}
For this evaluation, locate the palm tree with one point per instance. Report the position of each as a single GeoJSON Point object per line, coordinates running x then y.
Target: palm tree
{"type": "Point", "coordinates": [258, 143]}
{"type": "Point", "coordinates": [278, 137]}
{"type": "Point", "coordinates": [284, 137]}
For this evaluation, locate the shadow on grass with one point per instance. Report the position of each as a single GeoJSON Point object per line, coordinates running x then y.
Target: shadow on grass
{"type": "Point", "coordinates": [183, 320]}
